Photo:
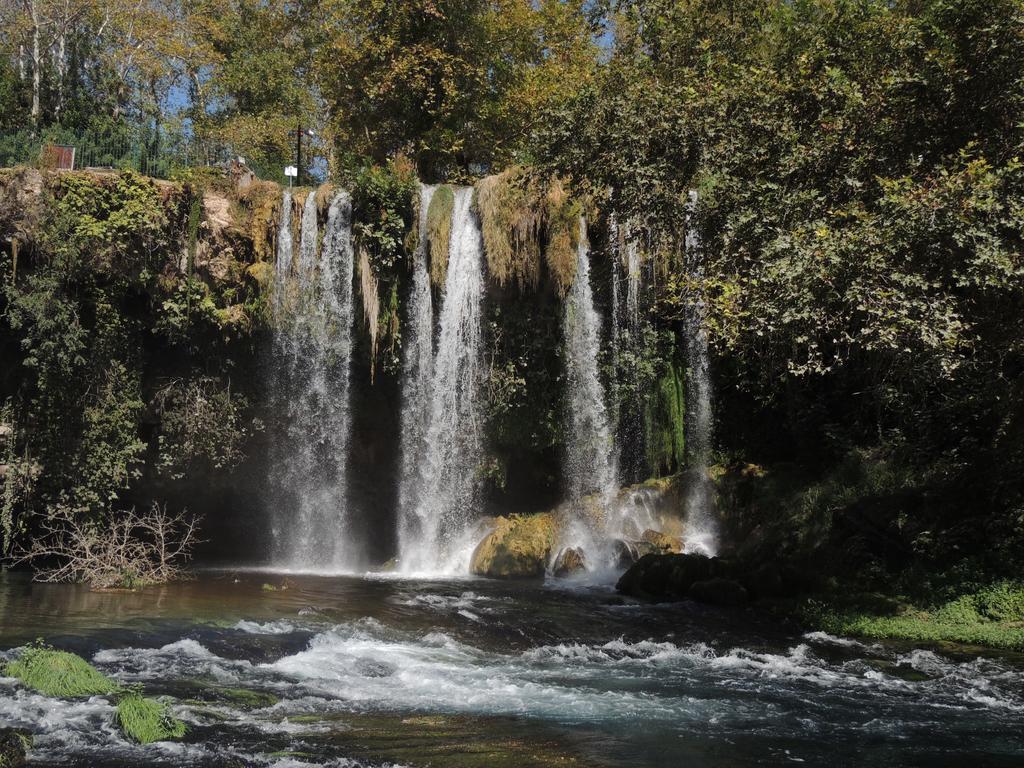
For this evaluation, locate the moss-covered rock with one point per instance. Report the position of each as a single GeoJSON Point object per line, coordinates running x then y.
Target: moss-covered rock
{"type": "Point", "coordinates": [662, 542]}
{"type": "Point", "coordinates": [58, 673]}
{"type": "Point", "coordinates": [519, 547]}
{"type": "Point", "coordinates": [569, 561]}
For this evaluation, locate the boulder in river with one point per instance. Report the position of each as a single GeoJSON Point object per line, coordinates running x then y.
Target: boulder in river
{"type": "Point", "coordinates": [662, 542]}
{"type": "Point", "coordinates": [665, 576]}
{"type": "Point", "coordinates": [718, 591]}
{"type": "Point", "coordinates": [569, 561]}
{"type": "Point", "coordinates": [518, 547]}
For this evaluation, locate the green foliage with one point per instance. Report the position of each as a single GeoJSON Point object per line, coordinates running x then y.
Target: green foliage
{"type": "Point", "coordinates": [664, 421]}
{"type": "Point", "coordinates": [147, 720]}
{"type": "Point", "coordinates": [200, 421]}
{"type": "Point", "coordinates": [458, 84]}
{"type": "Point", "coordinates": [383, 200]}
{"type": "Point", "coordinates": [113, 224]}
{"type": "Point", "coordinates": [992, 617]}
{"type": "Point", "coordinates": [109, 451]}
{"type": "Point", "coordinates": [58, 673]}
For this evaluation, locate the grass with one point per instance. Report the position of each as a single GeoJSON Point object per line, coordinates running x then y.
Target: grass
{"type": "Point", "coordinates": [58, 673]}
{"type": "Point", "coordinates": [147, 720]}
{"type": "Point", "coordinates": [439, 231]}
{"type": "Point", "coordinates": [992, 616]}
{"type": "Point", "coordinates": [512, 207]}
{"type": "Point", "coordinates": [563, 235]}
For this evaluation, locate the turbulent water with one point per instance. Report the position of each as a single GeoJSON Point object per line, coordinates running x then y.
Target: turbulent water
{"type": "Point", "coordinates": [439, 534]}
{"type": "Point", "coordinates": [353, 672]}
{"type": "Point", "coordinates": [702, 528]}
{"type": "Point", "coordinates": [313, 313]}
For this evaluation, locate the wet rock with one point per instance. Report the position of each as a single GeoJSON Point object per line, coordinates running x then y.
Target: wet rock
{"type": "Point", "coordinates": [665, 576]}
{"type": "Point", "coordinates": [624, 553]}
{"type": "Point", "coordinates": [14, 746]}
{"type": "Point", "coordinates": [662, 542]}
{"type": "Point", "coordinates": [719, 591]}
{"type": "Point", "coordinates": [569, 561]}
{"type": "Point", "coordinates": [373, 668]}
{"type": "Point", "coordinates": [519, 547]}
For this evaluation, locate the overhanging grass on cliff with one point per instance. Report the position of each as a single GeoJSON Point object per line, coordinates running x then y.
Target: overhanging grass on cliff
{"type": "Point", "coordinates": [58, 673]}
{"type": "Point", "coordinates": [511, 206]}
{"type": "Point", "coordinates": [439, 231]}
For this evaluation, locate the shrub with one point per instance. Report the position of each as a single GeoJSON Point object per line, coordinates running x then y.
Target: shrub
{"type": "Point", "coordinates": [129, 549]}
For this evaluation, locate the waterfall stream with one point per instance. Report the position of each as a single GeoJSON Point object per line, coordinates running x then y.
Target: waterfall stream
{"type": "Point", "coordinates": [417, 369]}
{"type": "Point", "coordinates": [313, 313]}
{"type": "Point", "coordinates": [701, 527]}
{"type": "Point", "coordinates": [591, 472]}
{"type": "Point", "coordinates": [437, 531]}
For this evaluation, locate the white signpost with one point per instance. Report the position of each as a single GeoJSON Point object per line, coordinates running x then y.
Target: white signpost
{"type": "Point", "coordinates": [291, 172]}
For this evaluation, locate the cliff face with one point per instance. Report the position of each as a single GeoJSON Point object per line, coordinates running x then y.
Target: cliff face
{"type": "Point", "coordinates": [136, 331]}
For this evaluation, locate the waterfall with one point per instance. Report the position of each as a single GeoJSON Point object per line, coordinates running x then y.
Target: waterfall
{"type": "Point", "coordinates": [438, 533]}
{"type": "Point", "coordinates": [633, 286]}
{"type": "Point", "coordinates": [417, 365]}
{"type": "Point", "coordinates": [313, 314]}
{"type": "Point", "coordinates": [590, 466]}
{"type": "Point", "coordinates": [701, 527]}
{"type": "Point", "coordinates": [613, 236]}
{"type": "Point", "coordinates": [627, 409]}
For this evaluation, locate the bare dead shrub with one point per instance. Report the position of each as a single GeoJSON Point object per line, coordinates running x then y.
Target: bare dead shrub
{"type": "Point", "coordinates": [126, 549]}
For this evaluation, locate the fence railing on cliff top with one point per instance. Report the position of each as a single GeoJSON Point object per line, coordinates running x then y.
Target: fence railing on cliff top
{"type": "Point", "coordinates": [120, 152]}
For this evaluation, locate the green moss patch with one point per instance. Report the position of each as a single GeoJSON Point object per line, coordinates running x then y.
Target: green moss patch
{"type": "Point", "coordinates": [147, 720]}
{"type": "Point", "coordinates": [239, 698]}
{"type": "Point", "coordinates": [58, 673]}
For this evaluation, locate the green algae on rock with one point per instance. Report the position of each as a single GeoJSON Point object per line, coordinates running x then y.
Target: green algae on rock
{"type": "Point", "coordinates": [518, 547]}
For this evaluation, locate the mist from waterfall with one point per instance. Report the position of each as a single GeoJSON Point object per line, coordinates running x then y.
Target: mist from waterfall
{"type": "Point", "coordinates": [701, 525]}
{"type": "Point", "coordinates": [438, 533]}
{"type": "Point", "coordinates": [311, 355]}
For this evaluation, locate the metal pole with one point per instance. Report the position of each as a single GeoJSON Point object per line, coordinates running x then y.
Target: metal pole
{"type": "Point", "coordinates": [298, 155]}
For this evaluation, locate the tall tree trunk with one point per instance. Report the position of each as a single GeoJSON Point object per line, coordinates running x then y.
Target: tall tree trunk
{"type": "Point", "coordinates": [62, 68]}
{"type": "Point", "coordinates": [37, 63]}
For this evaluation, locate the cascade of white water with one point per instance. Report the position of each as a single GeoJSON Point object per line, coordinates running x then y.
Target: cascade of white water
{"type": "Point", "coordinates": [590, 465]}
{"type": "Point", "coordinates": [440, 537]}
{"type": "Point", "coordinates": [417, 369]}
{"type": "Point", "coordinates": [633, 285]}
{"type": "Point", "coordinates": [313, 314]}
{"type": "Point", "coordinates": [701, 526]}
{"type": "Point", "coordinates": [613, 237]}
